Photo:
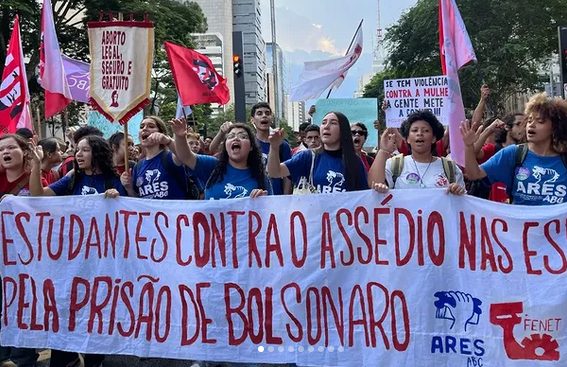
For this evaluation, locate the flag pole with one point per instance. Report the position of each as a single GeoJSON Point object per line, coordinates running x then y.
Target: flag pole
{"type": "Point", "coordinates": [348, 49]}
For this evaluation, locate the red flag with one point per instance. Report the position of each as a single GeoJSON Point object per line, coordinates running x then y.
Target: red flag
{"type": "Point", "coordinates": [51, 70]}
{"type": "Point", "coordinates": [195, 77]}
{"type": "Point", "coordinates": [14, 95]}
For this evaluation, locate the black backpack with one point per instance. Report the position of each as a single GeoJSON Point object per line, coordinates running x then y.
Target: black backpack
{"type": "Point", "coordinates": [192, 188]}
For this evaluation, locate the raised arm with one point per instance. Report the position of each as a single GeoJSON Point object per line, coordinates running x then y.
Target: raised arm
{"type": "Point", "coordinates": [183, 154]}
{"type": "Point", "coordinates": [36, 188]}
{"type": "Point", "coordinates": [478, 113]}
{"type": "Point", "coordinates": [484, 134]}
{"type": "Point", "coordinates": [215, 145]}
{"type": "Point", "coordinates": [276, 169]}
{"type": "Point", "coordinates": [377, 172]}
{"type": "Point", "coordinates": [472, 168]}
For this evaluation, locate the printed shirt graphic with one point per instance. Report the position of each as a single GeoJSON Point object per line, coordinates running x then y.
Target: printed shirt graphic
{"type": "Point", "coordinates": [538, 181]}
{"type": "Point", "coordinates": [285, 154]}
{"type": "Point", "coordinates": [328, 172]}
{"type": "Point", "coordinates": [236, 183]}
{"type": "Point", "coordinates": [86, 185]}
{"type": "Point", "coordinates": [433, 177]}
{"type": "Point", "coordinates": [152, 181]}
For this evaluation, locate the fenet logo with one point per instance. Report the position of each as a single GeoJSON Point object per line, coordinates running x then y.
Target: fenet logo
{"type": "Point", "coordinates": [460, 310]}
{"type": "Point", "coordinates": [540, 347]}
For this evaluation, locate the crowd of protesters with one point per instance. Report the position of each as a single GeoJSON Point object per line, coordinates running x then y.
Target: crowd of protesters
{"type": "Point", "coordinates": [519, 158]}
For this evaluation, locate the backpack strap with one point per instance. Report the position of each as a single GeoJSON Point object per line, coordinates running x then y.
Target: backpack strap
{"type": "Point", "coordinates": [20, 185]}
{"type": "Point", "coordinates": [449, 168]}
{"type": "Point", "coordinates": [397, 167]}
{"type": "Point", "coordinates": [521, 153]}
{"type": "Point", "coordinates": [313, 154]}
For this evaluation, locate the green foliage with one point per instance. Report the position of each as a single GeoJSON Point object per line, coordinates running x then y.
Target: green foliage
{"type": "Point", "coordinates": [513, 41]}
{"type": "Point", "coordinates": [174, 21]}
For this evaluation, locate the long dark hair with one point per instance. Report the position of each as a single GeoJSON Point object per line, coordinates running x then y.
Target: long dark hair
{"type": "Point", "coordinates": [351, 161]}
{"type": "Point", "coordinates": [254, 161]}
{"type": "Point", "coordinates": [101, 158]}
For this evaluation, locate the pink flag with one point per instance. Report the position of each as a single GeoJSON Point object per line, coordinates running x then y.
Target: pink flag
{"type": "Point", "coordinates": [51, 70]}
{"type": "Point", "coordinates": [456, 51]}
{"type": "Point", "coordinates": [14, 94]}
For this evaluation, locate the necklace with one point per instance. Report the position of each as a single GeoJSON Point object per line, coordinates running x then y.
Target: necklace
{"type": "Point", "coordinates": [421, 184]}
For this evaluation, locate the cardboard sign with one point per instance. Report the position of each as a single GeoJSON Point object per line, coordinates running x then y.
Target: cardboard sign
{"type": "Point", "coordinates": [405, 96]}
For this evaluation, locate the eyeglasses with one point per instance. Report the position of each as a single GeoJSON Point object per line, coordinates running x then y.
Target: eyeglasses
{"type": "Point", "coordinates": [241, 136]}
{"type": "Point", "coordinates": [358, 132]}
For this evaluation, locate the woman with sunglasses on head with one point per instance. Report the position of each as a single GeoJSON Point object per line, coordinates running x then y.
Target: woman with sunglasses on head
{"type": "Point", "coordinates": [238, 171]}
{"type": "Point", "coordinates": [335, 165]}
{"type": "Point", "coordinates": [421, 168]}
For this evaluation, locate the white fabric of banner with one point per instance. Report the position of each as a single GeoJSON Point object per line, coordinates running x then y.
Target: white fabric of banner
{"type": "Point", "coordinates": [410, 278]}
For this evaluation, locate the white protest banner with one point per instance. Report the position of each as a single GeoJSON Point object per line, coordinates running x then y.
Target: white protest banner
{"type": "Point", "coordinates": [350, 279]}
{"type": "Point", "coordinates": [122, 54]}
{"type": "Point", "coordinates": [405, 96]}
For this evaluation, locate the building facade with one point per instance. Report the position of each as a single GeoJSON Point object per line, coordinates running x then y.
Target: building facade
{"type": "Point", "coordinates": [212, 46]}
{"type": "Point", "coordinates": [246, 19]}
{"type": "Point", "coordinates": [295, 113]}
{"type": "Point", "coordinates": [219, 21]}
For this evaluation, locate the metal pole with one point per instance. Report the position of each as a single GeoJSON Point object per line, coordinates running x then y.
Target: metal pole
{"type": "Point", "coordinates": [275, 63]}
{"type": "Point", "coordinates": [348, 50]}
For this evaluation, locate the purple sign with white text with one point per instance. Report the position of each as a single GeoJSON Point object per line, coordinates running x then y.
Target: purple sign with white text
{"type": "Point", "coordinates": [77, 73]}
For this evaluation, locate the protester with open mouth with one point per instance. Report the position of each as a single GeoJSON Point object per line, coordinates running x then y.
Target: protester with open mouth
{"type": "Point", "coordinates": [238, 171]}
{"type": "Point", "coordinates": [93, 172]}
{"type": "Point", "coordinates": [52, 157]}
{"type": "Point", "coordinates": [359, 136]}
{"type": "Point", "coordinates": [161, 173]}
{"type": "Point", "coordinates": [534, 173]}
{"type": "Point", "coordinates": [335, 165]}
{"type": "Point", "coordinates": [421, 169]}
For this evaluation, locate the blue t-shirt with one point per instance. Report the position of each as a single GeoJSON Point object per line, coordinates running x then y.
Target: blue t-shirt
{"type": "Point", "coordinates": [236, 183]}
{"type": "Point", "coordinates": [328, 171]}
{"type": "Point", "coordinates": [537, 181]}
{"type": "Point", "coordinates": [151, 180]}
{"type": "Point", "coordinates": [285, 154]}
{"type": "Point", "coordinates": [87, 185]}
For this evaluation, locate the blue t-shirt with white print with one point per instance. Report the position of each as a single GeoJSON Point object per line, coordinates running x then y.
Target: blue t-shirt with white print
{"type": "Point", "coordinates": [328, 171]}
{"type": "Point", "coordinates": [87, 185]}
{"type": "Point", "coordinates": [537, 181]}
{"type": "Point", "coordinates": [151, 180]}
{"type": "Point", "coordinates": [236, 182]}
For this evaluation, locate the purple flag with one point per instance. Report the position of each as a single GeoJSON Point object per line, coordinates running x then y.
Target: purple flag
{"type": "Point", "coordinates": [77, 73]}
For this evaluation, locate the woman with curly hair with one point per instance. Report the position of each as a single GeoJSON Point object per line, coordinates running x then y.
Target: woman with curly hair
{"type": "Point", "coordinates": [421, 168]}
{"type": "Point", "coordinates": [334, 167]}
{"type": "Point", "coordinates": [534, 173]}
{"type": "Point", "coordinates": [93, 172]}
{"type": "Point", "coordinates": [237, 173]}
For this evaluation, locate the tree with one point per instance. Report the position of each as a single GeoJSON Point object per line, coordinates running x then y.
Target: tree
{"type": "Point", "coordinates": [70, 18]}
{"type": "Point", "coordinates": [513, 41]}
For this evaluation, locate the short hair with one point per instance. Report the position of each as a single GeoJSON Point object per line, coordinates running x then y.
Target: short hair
{"type": "Point", "coordinates": [49, 145]}
{"type": "Point", "coordinates": [193, 136]}
{"type": "Point", "coordinates": [362, 127]}
{"type": "Point", "coordinates": [427, 116]}
{"type": "Point", "coordinates": [24, 132]}
{"type": "Point", "coordinates": [85, 131]}
{"type": "Point", "coordinates": [303, 126]}
{"type": "Point", "coordinates": [312, 127]}
{"type": "Point", "coordinates": [258, 106]}
{"type": "Point", "coordinates": [424, 115]}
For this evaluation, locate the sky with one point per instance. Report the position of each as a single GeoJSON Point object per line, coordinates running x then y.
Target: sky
{"type": "Point", "coordinates": [309, 30]}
